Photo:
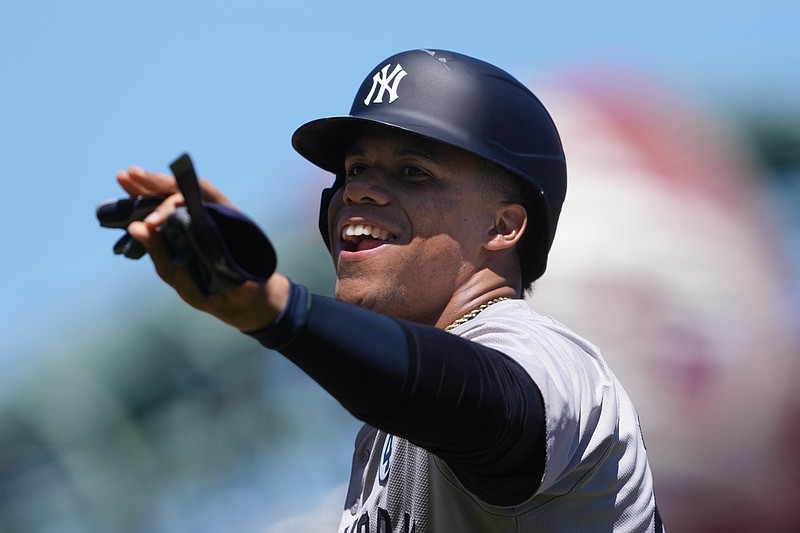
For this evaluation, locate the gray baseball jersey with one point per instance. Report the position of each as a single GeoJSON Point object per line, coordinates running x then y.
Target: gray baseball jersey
{"type": "Point", "coordinates": [597, 477]}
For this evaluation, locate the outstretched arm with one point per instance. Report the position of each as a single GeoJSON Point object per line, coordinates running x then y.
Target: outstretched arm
{"type": "Point", "coordinates": [472, 406]}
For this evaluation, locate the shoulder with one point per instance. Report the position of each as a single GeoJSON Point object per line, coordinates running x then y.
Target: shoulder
{"type": "Point", "coordinates": [515, 329]}
{"type": "Point", "coordinates": [569, 371]}
{"type": "Point", "coordinates": [584, 402]}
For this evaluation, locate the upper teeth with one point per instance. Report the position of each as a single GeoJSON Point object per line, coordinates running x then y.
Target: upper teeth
{"type": "Point", "coordinates": [354, 230]}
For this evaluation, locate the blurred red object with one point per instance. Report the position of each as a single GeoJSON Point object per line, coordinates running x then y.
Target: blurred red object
{"type": "Point", "coordinates": [668, 257]}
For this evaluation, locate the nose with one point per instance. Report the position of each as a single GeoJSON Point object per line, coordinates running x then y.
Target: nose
{"type": "Point", "coordinates": [368, 187]}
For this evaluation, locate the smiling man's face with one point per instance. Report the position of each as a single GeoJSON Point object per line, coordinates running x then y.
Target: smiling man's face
{"type": "Point", "coordinates": [408, 227]}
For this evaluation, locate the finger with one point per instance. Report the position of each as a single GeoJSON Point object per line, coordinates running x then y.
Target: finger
{"type": "Point", "coordinates": [138, 181]}
{"type": "Point", "coordinates": [155, 245]}
{"type": "Point", "coordinates": [159, 215]}
{"type": "Point", "coordinates": [127, 180]}
{"type": "Point", "coordinates": [148, 183]}
{"type": "Point", "coordinates": [128, 185]}
{"type": "Point", "coordinates": [212, 194]}
{"type": "Point", "coordinates": [176, 276]}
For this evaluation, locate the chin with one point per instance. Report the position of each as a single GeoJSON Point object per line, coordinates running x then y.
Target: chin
{"type": "Point", "coordinates": [357, 292]}
{"type": "Point", "coordinates": [387, 300]}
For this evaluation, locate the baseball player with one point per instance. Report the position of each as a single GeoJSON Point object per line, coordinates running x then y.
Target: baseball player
{"type": "Point", "coordinates": [480, 414]}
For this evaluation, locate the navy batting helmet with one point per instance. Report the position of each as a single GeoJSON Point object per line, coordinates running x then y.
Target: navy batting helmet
{"type": "Point", "coordinates": [463, 102]}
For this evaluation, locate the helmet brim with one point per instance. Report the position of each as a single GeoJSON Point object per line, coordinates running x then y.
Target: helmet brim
{"type": "Point", "coordinates": [324, 141]}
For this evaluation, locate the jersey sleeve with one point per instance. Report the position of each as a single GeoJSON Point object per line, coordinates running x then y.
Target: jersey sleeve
{"type": "Point", "coordinates": [472, 406]}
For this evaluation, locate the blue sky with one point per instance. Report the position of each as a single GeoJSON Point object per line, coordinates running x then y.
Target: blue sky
{"type": "Point", "coordinates": [89, 87]}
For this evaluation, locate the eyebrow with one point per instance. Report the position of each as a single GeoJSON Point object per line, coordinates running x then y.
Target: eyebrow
{"type": "Point", "coordinates": [413, 151]}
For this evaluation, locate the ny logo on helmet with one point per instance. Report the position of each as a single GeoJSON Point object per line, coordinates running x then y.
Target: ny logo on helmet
{"type": "Point", "coordinates": [386, 82]}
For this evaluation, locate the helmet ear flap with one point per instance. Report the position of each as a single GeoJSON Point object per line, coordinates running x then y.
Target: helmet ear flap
{"type": "Point", "coordinates": [324, 205]}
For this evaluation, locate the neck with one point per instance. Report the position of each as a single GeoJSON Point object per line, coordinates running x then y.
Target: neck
{"type": "Point", "coordinates": [472, 296]}
{"type": "Point", "coordinates": [475, 312]}
{"type": "Point", "coordinates": [499, 279]}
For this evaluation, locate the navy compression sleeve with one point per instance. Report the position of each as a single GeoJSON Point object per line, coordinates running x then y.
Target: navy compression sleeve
{"type": "Point", "coordinates": [471, 405]}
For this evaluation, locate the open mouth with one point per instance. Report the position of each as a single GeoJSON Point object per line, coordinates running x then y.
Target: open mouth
{"type": "Point", "coordinates": [359, 237]}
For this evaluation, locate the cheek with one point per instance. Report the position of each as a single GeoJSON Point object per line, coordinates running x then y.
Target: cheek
{"type": "Point", "coordinates": [463, 224]}
{"type": "Point", "coordinates": [431, 218]}
{"type": "Point", "coordinates": [329, 206]}
{"type": "Point", "coordinates": [438, 258]}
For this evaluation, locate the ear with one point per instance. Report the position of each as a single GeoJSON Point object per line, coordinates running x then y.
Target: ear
{"type": "Point", "coordinates": [510, 221]}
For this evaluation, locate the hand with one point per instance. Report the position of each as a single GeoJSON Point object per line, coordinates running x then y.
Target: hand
{"type": "Point", "coordinates": [137, 181]}
{"type": "Point", "coordinates": [248, 307]}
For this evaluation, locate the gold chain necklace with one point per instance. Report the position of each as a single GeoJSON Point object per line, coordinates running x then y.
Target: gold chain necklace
{"type": "Point", "coordinates": [472, 314]}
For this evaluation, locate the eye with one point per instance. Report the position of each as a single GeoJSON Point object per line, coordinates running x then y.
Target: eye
{"type": "Point", "coordinates": [415, 174]}
{"type": "Point", "coordinates": [412, 171]}
{"type": "Point", "coordinates": [355, 170]}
